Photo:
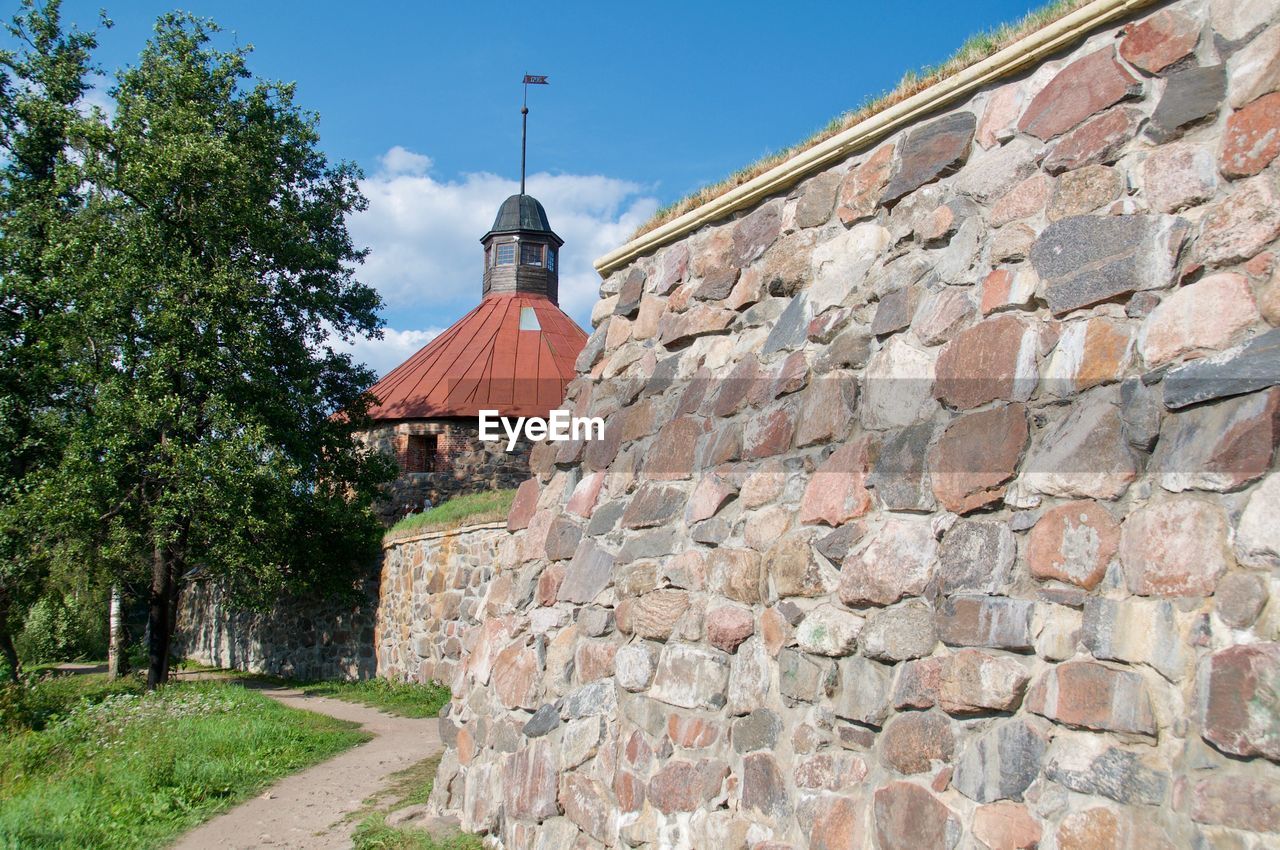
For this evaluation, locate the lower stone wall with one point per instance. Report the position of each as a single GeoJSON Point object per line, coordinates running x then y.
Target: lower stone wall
{"type": "Point", "coordinates": [434, 589]}
{"type": "Point", "coordinates": [301, 637]}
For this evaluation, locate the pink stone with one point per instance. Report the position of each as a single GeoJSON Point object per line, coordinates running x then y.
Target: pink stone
{"type": "Point", "coordinates": [1089, 695]}
{"type": "Point", "coordinates": [682, 786]}
{"type": "Point", "coordinates": [582, 501]}
{"type": "Point", "coordinates": [1100, 139]}
{"type": "Point", "coordinates": [1084, 190]}
{"type": "Point", "coordinates": [908, 817]}
{"type": "Point", "coordinates": [1005, 288]}
{"type": "Point", "coordinates": [1159, 41]}
{"type": "Point", "coordinates": [523, 506]}
{"type": "Point", "coordinates": [1239, 707]}
{"type": "Point", "coordinates": [1081, 89]}
{"type": "Point", "coordinates": [1252, 138]}
{"type": "Point", "coordinates": [898, 560]}
{"type": "Point", "coordinates": [1001, 115]}
{"type": "Point", "coordinates": [708, 496]}
{"type": "Point", "coordinates": [1006, 826]}
{"type": "Point", "coordinates": [515, 676]}
{"type": "Point", "coordinates": [837, 491]}
{"type": "Point", "coordinates": [943, 314]}
{"type": "Point", "coordinates": [837, 824]}
{"type": "Point", "coordinates": [1242, 224]}
{"type": "Point", "coordinates": [1025, 200]}
{"type": "Point", "coordinates": [691, 733]}
{"type": "Point", "coordinates": [860, 192]}
{"type": "Point", "coordinates": [1178, 176]}
{"type": "Point", "coordinates": [994, 359]}
{"type": "Point", "coordinates": [976, 456]}
{"type": "Point", "coordinates": [1073, 542]}
{"type": "Point", "coordinates": [728, 626]}
{"type": "Point", "coordinates": [1201, 317]}
{"type": "Point", "coordinates": [968, 681]}
{"type": "Point", "coordinates": [1237, 800]}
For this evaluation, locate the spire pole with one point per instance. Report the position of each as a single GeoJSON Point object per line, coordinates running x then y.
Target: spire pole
{"type": "Point", "coordinates": [535, 80]}
{"type": "Point", "coordinates": [524, 129]}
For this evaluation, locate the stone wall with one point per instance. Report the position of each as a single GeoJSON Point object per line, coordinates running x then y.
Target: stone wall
{"type": "Point", "coordinates": [301, 637]}
{"type": "Point", "coordinates": [937, 502]}
{"type": "Point", "coordinates": [464, 464]}
{"type": "Point", "coordinates": [434, 588]}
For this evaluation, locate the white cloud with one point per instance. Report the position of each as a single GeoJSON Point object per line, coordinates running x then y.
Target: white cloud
{"type": "Point", "coordinates": [383, 355]}
{"type": "Point", "coordinates": [424, 233]}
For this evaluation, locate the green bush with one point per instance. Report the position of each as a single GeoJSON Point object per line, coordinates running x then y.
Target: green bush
{"type": "Point", "coordinates": [64, 627]}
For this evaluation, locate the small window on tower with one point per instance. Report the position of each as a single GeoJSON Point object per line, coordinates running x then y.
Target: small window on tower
{"type": "Point", "coordinates": [531, 254]}
{"type": "Point", "coordinates": [419, 453]}
{"type": "Point", "coordinates": [507, 254]}
{"type": "Point", "coordinates": [529, 320]}
{"type": "Point", "coordinates": [551, 259]}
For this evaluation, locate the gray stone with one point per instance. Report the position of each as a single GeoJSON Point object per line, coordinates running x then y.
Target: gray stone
{"type": "Point", "coordinates": [792, 328]}
{"type": "Point", "coordinates": [600, 697]}
{"type": "Point", "coordinates": [593, 350]}
{"type": "Point", "coordinates": [864, 691]}
{"type": "Point", "coordinates": [1136, 631]}
{"type": "Point", "coordinates": [799, 677]}
{"type": "Point", "coordinates": [750, 677]}
{"type": "Point", "coordinates": [850, 349]}
{"type": "Point", "coordinates": [604, 518]}
{"type": "Point", "coordinates": [1255, 365]}
{"type": "Point", "coordinates": [1116, 773]}
{"type": "Point", "coordinates": [543, 721]}
{"type": "Point", "coordinates": [587, 574]}
{"type": "Point", "coordinates": [712, 532]}
{"type": "Point", "coordinates": [595, 622]}
{"type": "Point", "coordinates": [894, 311]}
{"type": "Point", "coordinates": [1140, 413]}
{"type": "Point", "coordinates": [817, 199]}
{"type": "Point", "coordinates": [934, 150]}
{"type": "Point", "coordinates": [759, 730]}
{"type": "Point", "coordinates": [898, 472]}
{"type": "Point", "coordinates": [955, 260]}
{"type": "Point", "coordinates": [562, 539]}
{"type": "Point", "coordinates": [653, 504]}
{"type": "Point", "coordinates": [994, 621]}
{"type": "Point", "coordinates": [1240, 598]}
{"type": "Point", "coordinates": [975, 555]}
{"type": "Point", "coordinates": [630, 294]}
{"type": "Point", "coordinates": [899, 633]}
{"type": "Point", "coordinates": [717, 285]}
{"type": "Point", "coordinates": [650, 544]}
{"type": "Point", "coordinates": [836, 545]}
{"type": "Point", "coordinates": [1086, 259]}
{"type": "Point", "coordinates": [1002, 763]}
{"type": "Point", "coordinates": [1189, 96]}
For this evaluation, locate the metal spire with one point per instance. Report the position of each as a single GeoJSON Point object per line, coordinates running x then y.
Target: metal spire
{"type": "Point", "coordinates": [535, 80]}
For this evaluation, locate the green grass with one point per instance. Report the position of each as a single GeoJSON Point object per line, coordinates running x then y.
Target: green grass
{"type": "Point", "coordinates": [105, 766]}
{"type": "Point", "coordinates": [408, 699]}
{"type": "Point", "coordinates": [489, 506]}
{"type": "Point", "coordinates": [409, 787]}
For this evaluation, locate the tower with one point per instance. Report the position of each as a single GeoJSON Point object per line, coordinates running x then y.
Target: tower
{"type": "Point", "coordinates": [521, 251]}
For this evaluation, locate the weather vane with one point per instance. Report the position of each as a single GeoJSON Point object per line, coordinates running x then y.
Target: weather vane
{"type": "Point", "coordinates": [529, 80]}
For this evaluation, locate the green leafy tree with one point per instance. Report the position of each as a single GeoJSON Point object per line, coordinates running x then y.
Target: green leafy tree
{"type": "Point", "coordinates": [218, 272]}
{"type": "Point", "coordinates": [42, 138]}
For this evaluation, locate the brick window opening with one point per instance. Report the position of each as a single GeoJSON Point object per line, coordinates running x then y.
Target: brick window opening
{"type": "Point", "coordinates": [419, 453]}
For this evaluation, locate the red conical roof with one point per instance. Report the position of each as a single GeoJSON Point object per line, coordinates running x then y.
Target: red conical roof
{"type": "Point", "coordinates": [486, 361]}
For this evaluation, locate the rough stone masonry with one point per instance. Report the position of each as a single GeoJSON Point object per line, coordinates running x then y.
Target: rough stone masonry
{"type": "Point", "coordinates": [937, 505]}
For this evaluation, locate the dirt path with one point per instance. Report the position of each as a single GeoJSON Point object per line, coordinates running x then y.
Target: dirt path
{"type": "Point", "coordinates": [307, 809]}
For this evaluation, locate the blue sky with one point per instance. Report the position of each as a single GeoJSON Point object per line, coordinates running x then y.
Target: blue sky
{"type": "Point", "coordinates": [647, 102]}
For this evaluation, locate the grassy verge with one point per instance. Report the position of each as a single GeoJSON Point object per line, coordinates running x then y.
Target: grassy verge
{"type": "Point", "coordinates": [91, 764]}
{"type": "Point", "coordinates": [411, 787]}
{"type": "Point", "coordinates": [407, 699]}
{"type": "Point", "coordinates": [489, 506]}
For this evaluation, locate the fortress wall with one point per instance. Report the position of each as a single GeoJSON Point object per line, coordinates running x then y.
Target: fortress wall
{"type": "Point", "coordinates": [937, 505]}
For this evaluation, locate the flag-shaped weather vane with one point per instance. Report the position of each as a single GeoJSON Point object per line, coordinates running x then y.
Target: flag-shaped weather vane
{"type": "Point", "coordinates": [529, 80]}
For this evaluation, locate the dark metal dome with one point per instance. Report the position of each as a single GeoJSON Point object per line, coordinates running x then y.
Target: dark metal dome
{"type": "Point", "coordinates": [521, 213]}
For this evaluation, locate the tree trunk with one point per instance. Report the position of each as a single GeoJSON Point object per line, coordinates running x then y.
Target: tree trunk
{"type": "Point", "coordinates": [10, 655]}
{"type": "Point", "coordinates": [158, 618]}
{"type": "Point", "coordinates": [117, 638]}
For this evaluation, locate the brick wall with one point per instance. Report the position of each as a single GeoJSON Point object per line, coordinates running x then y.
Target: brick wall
{"type": "Point", "coordinates": [937, 503]}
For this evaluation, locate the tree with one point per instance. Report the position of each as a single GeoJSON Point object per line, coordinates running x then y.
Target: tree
{"type": "Point", "coordinates": [218, 271]}
{"type": "Point", "coordinates": [42, 84]}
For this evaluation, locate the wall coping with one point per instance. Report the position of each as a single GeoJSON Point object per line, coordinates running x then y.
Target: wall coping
{"type": "Point", "coordinates": [442, 533]}
{"type": "Point", "coordinates": [1028, 50]}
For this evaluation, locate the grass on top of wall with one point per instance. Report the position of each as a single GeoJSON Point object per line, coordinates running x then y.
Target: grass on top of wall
{"type": "Point", "coordinates": [488, 506]}
{"type": "Point", "coordinates": [88, 763]}
{"type": "Point", "coordinates": [971, 52]}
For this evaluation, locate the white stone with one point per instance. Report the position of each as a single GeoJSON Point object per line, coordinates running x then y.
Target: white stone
{"type": "Point", "coordinates": [580, 740]}
{"type": "Point", "coordinates": [1235, 19]}
{"type": "Point", "coordinates": [1255, 70]}
{"type": "Point", "coordinates": [690, 677]}
{"type": "Point", "coordinates": [898, 386]}
{"type": "Point", "coordinates": [1258, 534]}
{"type": "Point", "coordinates": [828, 630]}
{"type": "Point", "coordinates": [633, 666]}
{"type": "Point", "coordinates": [840, 264]}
